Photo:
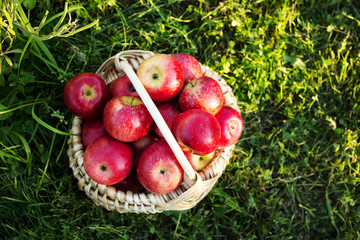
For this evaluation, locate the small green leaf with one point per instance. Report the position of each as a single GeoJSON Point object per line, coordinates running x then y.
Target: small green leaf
{"type": "Point", "coordinates": [15, 51]}
{"type": "Point", "coordinates": [152, 229]}
{"type": "Point", "coordinates": [219, 211]}
{"type": "Point", "coordinates": [28, 126]}
{"type": "Point", "coordinates": [12, 79]}
{"type": "Point", "coordinates": [27, 78]}
{"type": "Point", "coordinates": [29, 4]}
{"type": "Point", "coordinates": [300, 64]}
{"type": "Point", "coordinates": [8, 60]}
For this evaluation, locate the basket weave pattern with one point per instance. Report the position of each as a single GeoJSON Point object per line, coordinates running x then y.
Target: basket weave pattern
{"type": "Point", "coordinates": [189, 192]}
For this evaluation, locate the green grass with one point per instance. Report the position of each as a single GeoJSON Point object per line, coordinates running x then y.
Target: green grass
{"type": "Point", "coordinates": [294, 67]}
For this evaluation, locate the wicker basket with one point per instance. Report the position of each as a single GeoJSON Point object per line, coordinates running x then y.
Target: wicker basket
{"type": "Point", "coordinates": [195, 185]}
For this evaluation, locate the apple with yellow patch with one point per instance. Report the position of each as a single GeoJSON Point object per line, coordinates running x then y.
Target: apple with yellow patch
{"type": "Point", "coordinates": [85, 95]}
{"type": "Point", "coordinates": [126, 118]}
{"type": "Point", "coordinates": [198, 162]}
{"type": "Point", "coordinates": [162, 77]}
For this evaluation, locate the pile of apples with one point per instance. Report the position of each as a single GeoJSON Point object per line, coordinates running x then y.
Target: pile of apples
{"type": "Point", "coordinates": [123, 145]}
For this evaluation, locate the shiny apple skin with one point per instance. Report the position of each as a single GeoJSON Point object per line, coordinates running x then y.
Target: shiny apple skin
{"type": "Point", "coordinates": [158, 169]}
{"type": "Point", "coordinates": [231, 125]}
{"type": "Point", "coordinates": [78, 102]}
{"type": "Point", "coordinates": [191, 66]}
{"type": "Point", "coordinates": [108, 161]}
{"type": "Point", "coordinates": [169, 111]}
{"type": "Point", "coordinates": [122, 86]}
{"type": "Point", "coordinates": [162, 77]}
{"type": "Point", "coordinates": [91, 130]}
{"type": "Point", "coordinates": [126, 118]}
{"type": "Point", "coordinates": [196, 131]}
{"type": "Point", "coordinates": [203, 93]}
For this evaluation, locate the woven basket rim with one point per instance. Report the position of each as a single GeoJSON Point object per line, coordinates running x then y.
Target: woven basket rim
{"type": "Point", "coordinates": [186, 196]}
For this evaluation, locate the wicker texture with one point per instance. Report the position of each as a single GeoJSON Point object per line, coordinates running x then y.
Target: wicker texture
{"type": "Point", "coordinates": [190, 191]}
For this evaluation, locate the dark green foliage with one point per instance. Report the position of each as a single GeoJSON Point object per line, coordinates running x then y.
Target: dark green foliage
{"type": "Point", "coordinates": [294, 67]}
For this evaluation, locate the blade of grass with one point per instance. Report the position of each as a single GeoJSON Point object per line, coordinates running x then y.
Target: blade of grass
{"type": "Point", "coordinates": [46, 51]}
{"type": "Point", "coordinates": [41, 25]}
{"type": "Point", "coordinates": [62, 14]}
{"type": "Point", "coordinates": [47, 163]}
{"type": "Point", "coordinates": [70, 61]}
{"type": "Point", "coordinates": [23, 53]}
{"type": "Point", "coordinates": [13, 199]}
{"type": "Point", "coordinates": [12, 155]}
{"type": "Point", "coordinates": [328, 204]}
{"type": "Point", "coordinates": [24, 21]}
{"type": "Point", "coordinates": [25, 145]}
{"type": "Point", "coordinates": [24, 105]}
{"type": "Point", "coordinates": [48, 63]}
{"type": "Point", "coordinates": [62, 17]}
{"type": "Point", "coordinates": [47, 126]}
{"type": "Point", "coordinates": [82, 28]}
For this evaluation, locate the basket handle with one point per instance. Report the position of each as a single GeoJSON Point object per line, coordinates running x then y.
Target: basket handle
{"type": "Point", "coordinates": [159, 120]}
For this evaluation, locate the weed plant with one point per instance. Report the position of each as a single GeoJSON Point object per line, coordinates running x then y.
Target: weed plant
{"type": "Point", "coordinates": [293, 65]}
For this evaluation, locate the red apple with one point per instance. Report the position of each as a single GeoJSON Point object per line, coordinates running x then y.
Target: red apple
{"type": "Point", "coordinates": [203, 93]}
{"type": "Point", "coordinates": [91, 130]}
{"type": "Point", "coordinates": [191, 66]}
{"type": "Point", "coordinates": [162, 77]}
{"type": "Point", "coordinates": [126, 118]}
{"type": "Point", "coordinates": [197, 131]}
{"type": "Point", "coordinates": [158, 169]}
{"type": "Point", "coordinates": [130, 183]}
{"type": "Point", "coordinates": [108, 161]}
{"type": "Point", "coordinates": [198, 162]}
{"type": "Point", "coordinates": [85, 95]}
{"type": "Point", "coordinates": [139, 145]}
{"type": "Point", "coordinates": [231, 125]}
{"type": "Point", "coordinates": [169, 112]}
{"type": "Point", "coordinates": [122, 86]}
